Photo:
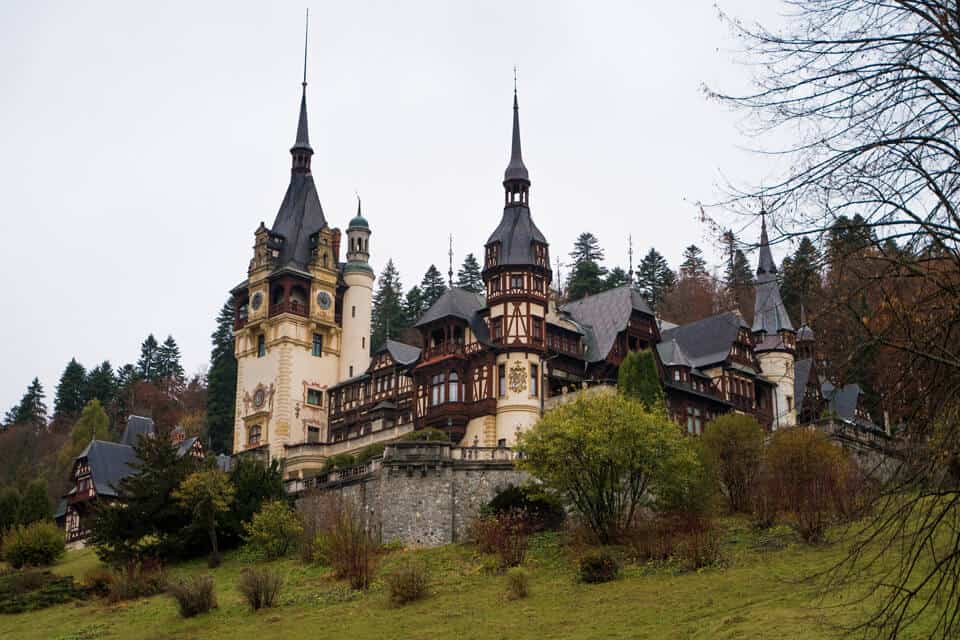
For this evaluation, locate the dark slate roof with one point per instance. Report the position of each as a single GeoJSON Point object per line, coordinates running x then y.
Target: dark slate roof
{"type": "Point", "coordinates": [303, 134]}
{"type": "Point", "coordinates": [770, 314]}
{"type": "Point", "coordinates": [671, 355]}
{"type": "Point", "coordinates": [516, 234]}
{"type": "Point", "coordinates": [801, 377]}
{"type": "Point", "coordinates": [604, 315]}
{"type": "Point", "coordinates": [455, 302]}
{"type": "Point", "coordinates": [805, 332]}
{"type": "Point", "coordinates": [300, 215]}
{"type": "Point", "coordinates": [842, 400]}
{"type": "Point", "coordinates": [185, 446]}
{"type": "Point", "coordinates": [516, 170]}
{"type": "Point", "coordinates": [109, 464]}
{"type": "Point", "coordinates": [402, 353]}
{"type": "Point", "coordinates": [137, 426]}
{"type": "Point", "coordinates": [707, 341]}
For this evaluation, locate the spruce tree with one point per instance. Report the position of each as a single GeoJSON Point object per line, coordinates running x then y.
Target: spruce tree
{"type": "Point", "coordinates": [738, 280]}
{"type": "Point", "coordinates": [32, 409]}
{"type": "Point", "coordinates": [102, 384]}
{"type": "Point", "coordinates": [413, 305]}
{"type": "Point", "coordinates": [469, 277]}
{"type": "Point", "coordinates": [388, 316]}
{"type": "Point", "coordinates": [222, 384]}
{"type": "Point", "coordinates": [9, 508]}
{"type": "Point", "coordinates": [168, 367]}
{"type": "Point", "coordinates": [800, 278]}
{"type": "Point", "coordinates": [147, 364]}
{"type": "Point", "coordinates": [587, 275]}
{"type": "Point", "coordinates": [432, 286]}
{"type": "Point", "coordinates": [639, 378]}
{"type": "Point", "coordinates": [71, 391]}
{"type": "Point", "coordinates": [693, 266]}
{"type": "Point", "coordinates": [35, 503]}
{"type": "Point", "coordinates": [654, 277]}
{"type": "Point", "coordinates": [617, 277]}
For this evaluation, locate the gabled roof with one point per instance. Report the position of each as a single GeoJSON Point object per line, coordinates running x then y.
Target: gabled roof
{"type": "Point", "coordinates": [604, 315]}
{"type": "Point", "coordinates": [109, 464]}
{"type": "Point", "coordinates": [401, 353]}
{"type": "Point", "coordinates": [455, 302]}
{"type": "Point", "coordinates": [137, 426]}
{"type": "Point", "coordinates": [707, 341]}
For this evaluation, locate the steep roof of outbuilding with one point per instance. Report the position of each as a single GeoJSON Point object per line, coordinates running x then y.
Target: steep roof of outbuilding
{"type": "Point", "coordinates": [707, 341]}
{"type": "Point", "coordinates": [137, 426]}
{"type": "Point", "coordinates": [604, 315]}
{"type": "Point", "coordinates": [110, 462]}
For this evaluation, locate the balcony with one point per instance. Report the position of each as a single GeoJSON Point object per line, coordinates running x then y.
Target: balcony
{"type": "Point", "coordinates": [444, 350]}
{"type": "Point", "coordinates": [290, 306]}
{"type": "Point", "coordinates": [81, 496]}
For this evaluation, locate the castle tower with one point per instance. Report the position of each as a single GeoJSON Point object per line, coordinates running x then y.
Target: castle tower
{"type": "Point", "coordinates": [774, 337]}
{"type": "Point", "coordinates": [287, 335]}
{"type": "Point", "coordinates": [806, 340]}
{"type": "Point", "coordinates": [517, 278]}
{"type": "Point", "coordinates": [358, 299]}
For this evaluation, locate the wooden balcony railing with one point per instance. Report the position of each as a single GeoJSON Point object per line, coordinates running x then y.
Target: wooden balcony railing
{"type": "Point", "coordinates": [444, 349]}
{"type": "Point", "coordinates": [289, 306]}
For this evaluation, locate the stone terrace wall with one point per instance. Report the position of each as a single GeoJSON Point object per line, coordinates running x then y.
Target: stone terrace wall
{"type": "Point", "coordinates": [425, 493]}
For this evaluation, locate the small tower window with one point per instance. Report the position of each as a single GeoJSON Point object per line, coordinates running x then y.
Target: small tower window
{"type": "Point", "coordinates": [502, 379]}
{"type": "Point", "coordinates": [317, 345]}
{"type": "Point", "coordinates": [534, 381]}
{"type": "Point", "coordinates": [353, 312]}
{"type": "Point", "coordinates": [363, 342]}
{"type": "Point", "coordinates": [261, 345]}
{"type": "Point", "coordinates": [253, 436]}
{"type": "Point", "coordinates": [351, 371]}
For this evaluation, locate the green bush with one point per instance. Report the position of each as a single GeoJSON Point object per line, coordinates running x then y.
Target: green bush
{"type": "Point", "coordinates": [427, 435]}
{"type": "Point", "coordinates": [274, 530]}
{"type": "Point", "coordinates": [599, 566]}
{"type": "Point", "coordinates": [260, 587]}
{"type": "Point", "coordinates": [518, 583]}
{"type": "Point", "coordinates": [733, 444]}
{"type": "Point", "coordinates": [370, 452]}
{"type": "Point", "coordinates": [408, 582]}
{"type": "Point", "coordinates": [33, 590]}
{"type": "Point", "coordinates": [339, 461]}
{"type": "Point", "coordinates": [543, 512]}
{"type": "Point", "coordinates": [38, 544]}
{"type": "Point", "coordinates": [194, 595]}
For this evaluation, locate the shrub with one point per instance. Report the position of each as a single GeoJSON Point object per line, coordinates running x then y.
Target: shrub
{"type": "Point", "coordinates": [700, 549]}
{"type": "Point", "coordinates": [639, 378]}
{"type": "Point", "coordinates": [764, 500]}
{"type": "Point", "coordinates": [349, 546]}
{"type": "Point", "coordinates": [733, 442]}
{"type": "Point", "coordinates": [139, 580]}
{"type": "Point", "coordinates": [598, 566]}
{"type": "Point", "coordinates": [339, 461]}
{"type": "Point", "coordinates": [506, 535]}
{"type": "Point", "coordinates": [37, 544]}
{"type": "Point", "coordinates": [807, 478]}
{"type": "Point", "coordinates": [370, 452]}
{"type": "Point", "coordinates": [408, 582]}
{"type": "Point", "coordinates": [194, 595]}
{"type": "Point", "coordinates": [273, 530]}
{"type": "Point", "coordinates": [98, 581]}
{"type": "Point", "coordinates": [317, 511]}
{"type": "Point", "coordinates": [260, 587]}
{"type": "Point", "coordinates": [32, 590]}
{"type": "Point", "coordinates": [427, 435]}
{"type": "Point", "coordinates": [518, 583]}
{"type": "Point", "coordinates": [543, 513]}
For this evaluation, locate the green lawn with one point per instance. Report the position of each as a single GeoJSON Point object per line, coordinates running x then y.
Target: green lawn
{"type": "Point", "coordinates": [759, 594]}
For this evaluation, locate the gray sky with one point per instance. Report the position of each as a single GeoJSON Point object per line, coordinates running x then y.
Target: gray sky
{"type": "Point", "coordinates": [141, 145]}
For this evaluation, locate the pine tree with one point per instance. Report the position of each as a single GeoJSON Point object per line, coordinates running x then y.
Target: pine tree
{"type": "Point", "coordinates": [147, 364]}
{"type": "Point", "coordinates": [168, 367]}
{"type": "Point", "coordinates": [413, 306]}
{"type": "Point", "coordinates": [639, 378]}
{"type": "Point", "coordinates": [693, 265]}
{"type": "Point", "coordinates": [102, 384]}
{"type": "Point", "coordinates": [32, 409]}
{"type": "Point", "coordinates": [617, 277]}
{"type": "Point", "coordinates": [469, 277]}
{"type": "Point", "coordinates": [222, 383]}
{"type": "Point", "coordinates": [35, 504]}
{"type": "Point", "coordinates": [800, 278]}
{"type": "Point", "coordinates": [71, 391]}
{"type": "Point", "coordinates": [654, 277]}
{"type": "Point", "coordinates": [738, 281]}
{"type": "Point", "coordinates": [388, 316]}
{"type": "Point", "coordinates": [10, 417]}
{"type": "Point", "coordinates": [587, 275]}
{"type": "Point", "coordinates": [432, 286]}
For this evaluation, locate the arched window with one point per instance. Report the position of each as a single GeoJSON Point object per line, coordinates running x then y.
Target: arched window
{"type": "Point", "coordinates": [253, 436]}
{"type": "Point", "coordinates": [453, 387]}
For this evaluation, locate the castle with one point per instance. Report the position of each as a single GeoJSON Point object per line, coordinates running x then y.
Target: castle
{"type": "Point", "coordinates": [488, 365]}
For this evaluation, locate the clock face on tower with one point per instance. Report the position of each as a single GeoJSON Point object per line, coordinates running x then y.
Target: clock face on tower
{"type": "Point", "coordinates": [257, 300]}
{"type": "Point", "coordinates": [323, 299]}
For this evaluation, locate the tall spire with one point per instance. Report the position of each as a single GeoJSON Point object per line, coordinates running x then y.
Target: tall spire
{"type": "Point", "coordinates": [301, 150]}
{"type": "Point", "coordinates": [766, 267]}
{"type": "Point", "coordinates": [516, 170]}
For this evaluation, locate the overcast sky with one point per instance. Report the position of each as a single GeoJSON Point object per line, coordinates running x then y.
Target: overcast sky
{"type": "Point", "coordinates": [142, 143]}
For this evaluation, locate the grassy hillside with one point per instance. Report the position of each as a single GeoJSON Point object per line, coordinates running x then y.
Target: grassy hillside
{"type": "Point", "coordinates": [759, 594]}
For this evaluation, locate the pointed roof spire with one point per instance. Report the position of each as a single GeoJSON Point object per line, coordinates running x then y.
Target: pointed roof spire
{"type": "Point", "coordinates": [303, 136]}
{"type": "Point", "coordinates": [516, 170]}
{"type": "Point", "coordinates": [766, 266]}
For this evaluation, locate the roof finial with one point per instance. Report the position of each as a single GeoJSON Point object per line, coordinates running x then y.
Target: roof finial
{"type": "Point", "coordinates": [514, 80]}
{"type": "Point", "coordinates": [630, 254]}
{"type": "Point", "coordinates": [450, 256]}
{"type": "Point", "coordinates": [306, 34]}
